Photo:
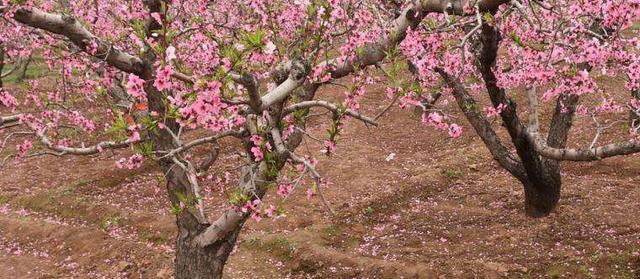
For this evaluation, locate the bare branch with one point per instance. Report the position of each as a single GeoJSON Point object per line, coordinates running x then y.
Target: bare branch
{"type": "Point", "coordinates": [281, 148]}
{"type": "Point", "coordinates": [331, 107]}
{"type": "Point", "coordinates": [201, 141]}
{"type": "Point", "coordinates": [570, 154]}
{"type": "Point", "coordinates": [97, 148]}
{"type": "Point", "coordinates": [9, 120]}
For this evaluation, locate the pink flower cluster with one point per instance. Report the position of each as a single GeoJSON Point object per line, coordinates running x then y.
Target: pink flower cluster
{"type": "Point", "coordinates": [284, 189]}
{"type": "Point", "coordinates": [163, 78]}
{"type": "Point", "coordinates": [23, 148]}
{"type": "Point", "coordinates": [438, 121]}
{"type": "Point", "coordinates": [252, 207]}
{"type": "Point", "coordinates": [494, 111]}
{"type": "Point", "coordinates": [8, 100]}
{"type": "Point", "coordinates": [131, 163]}
{"type": "Point", "coordinates": [579, 84]}
{"type": "Point", "coordinates": [84, 123]}
{"type": "Point", "coordinates": [135, 88]}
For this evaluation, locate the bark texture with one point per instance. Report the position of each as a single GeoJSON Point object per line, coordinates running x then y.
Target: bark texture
{"type": "Point", "coordinates": [1, 63]}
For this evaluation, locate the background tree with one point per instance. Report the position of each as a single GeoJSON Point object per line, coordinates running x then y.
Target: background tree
{"type": "Point", "coordinates": [555, 45]}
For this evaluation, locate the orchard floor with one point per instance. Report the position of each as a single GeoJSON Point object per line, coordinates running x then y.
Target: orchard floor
{"type": "Point", "coordinates": [442, 208]}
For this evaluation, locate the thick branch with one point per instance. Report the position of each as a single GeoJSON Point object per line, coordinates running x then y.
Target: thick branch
{"type": "Point", "coordinates": [9, 120]}
{"type": "Point", "coordinates": [80, 36]}
{"type": "Point", "coordinates": [483, 127]}
{"type": "Point", "coordinates": [570, 154]}
{"type": "Point", "coordinates": [297, 74]}
{"type": "Point", "coordinates": [97, 148]}
{"type": "Point", "coordinates": [224, 225]}
{"type": "Point", "coordinates": [250, 82]}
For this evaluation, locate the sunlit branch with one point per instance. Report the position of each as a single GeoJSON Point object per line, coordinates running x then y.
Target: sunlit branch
{"type": "Point", "coordinates": [570, 154]}
{"type": "Point", "coordinates": [94, 149]}
{"type": "Point", "coordinates": [72, 29]}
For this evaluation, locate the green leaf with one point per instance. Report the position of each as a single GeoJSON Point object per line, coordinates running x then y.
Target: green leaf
{"type": "Point", "coordinates": [488, 18]}
{"type": "Point", "coordinates": [118, 129]}
{"type": "Point", "coordinates": [516, 39]}
{"type": "Point", "coordinates": [254, 39]}
{"type": "Point", "coordinates": [238, 198]}
{"type": "Point", "coordinates": [145, 148]}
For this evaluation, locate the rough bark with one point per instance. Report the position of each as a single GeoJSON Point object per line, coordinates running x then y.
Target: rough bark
{"type": "Point", "coordinates": [196, 262]}
{"type": "Point", "coordinates": [542, 182]}
{"type": "Point", "coordinates": [193, 259]}
{"type": "Point", "coordinates": [1, 63]}
{"type": "Point", "coordinates": [634, 116]}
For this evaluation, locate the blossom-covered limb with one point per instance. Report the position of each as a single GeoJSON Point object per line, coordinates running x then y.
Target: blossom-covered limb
{"type": "Point", "coordinates": [80, 36]}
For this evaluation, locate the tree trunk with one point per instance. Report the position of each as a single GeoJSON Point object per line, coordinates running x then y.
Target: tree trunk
{"type": "Point", "coordinates": [1, 63]}
{"type": "Point", "coordinates": [541, 190]}
{"type": "Point", "coordinates": [199, 253]}
{"type": "Point", "coordinates": [634, 118]}
{"type": "Point", "coordinates": [542, 182]}
{"type": "Point", "coordinates": [196, 262]}
{"type": "Point", "coordinates": [193, 259]}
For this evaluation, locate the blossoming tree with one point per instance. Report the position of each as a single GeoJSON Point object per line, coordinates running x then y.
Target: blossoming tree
{"type": "Point", "coordinates": [557, 48]}
{"type": "Point", "coordinates": [143, 74]}
{"type": "Point", "coordinates": [146, 73]}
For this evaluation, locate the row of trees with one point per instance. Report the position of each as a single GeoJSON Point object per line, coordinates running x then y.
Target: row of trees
{"type": "Point", "coordinates": [142, 74]}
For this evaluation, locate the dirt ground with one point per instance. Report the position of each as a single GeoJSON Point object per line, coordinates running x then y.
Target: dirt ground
{"type": "Point", "coordinates": [442, 208]}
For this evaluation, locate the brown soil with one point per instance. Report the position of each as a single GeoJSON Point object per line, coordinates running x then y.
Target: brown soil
{"type": "Point", "coordinates": [441, 209]}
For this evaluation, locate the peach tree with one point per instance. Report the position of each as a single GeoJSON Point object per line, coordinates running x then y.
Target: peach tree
{"type": "Point", "coordinates": [167, 77]}
{"type": "Point", "coordinates": [516, 52]}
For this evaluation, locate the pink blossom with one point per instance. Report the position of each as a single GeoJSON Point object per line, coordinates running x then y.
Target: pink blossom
{"type": "Point", "coordinates": [494, 112]}
{"type": "Point", "coordinates": [163, 78]}
{"type": "Point", "coordinates": [24, 148]}
{"type": "Point", "coordinates": [250, 206]}
{"type": "Point", "coordinates": [257, 153]}
{"type": "Point", "coordinates": [131, 163]}
{"type": "Point", "coordinates": [256, 216]}
{"type": "Point", "coordinates": [455, 130]}
{"type": "Point", "coordinates": [330, 147]}
{"type": "Point", "coordinates": [285, 189]}
{"type": "Point", "coordinates": [135, 87]}
{"type": "Point", "coordinates": [256, 140]}
{"type": "Point", "coordinates": [8, 100]}
{"type": "Point", "coordinates": [270, 210]}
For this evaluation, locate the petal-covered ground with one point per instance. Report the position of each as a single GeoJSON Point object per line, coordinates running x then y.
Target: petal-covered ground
{"type": "Point", "coordinates": [411, 203]}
